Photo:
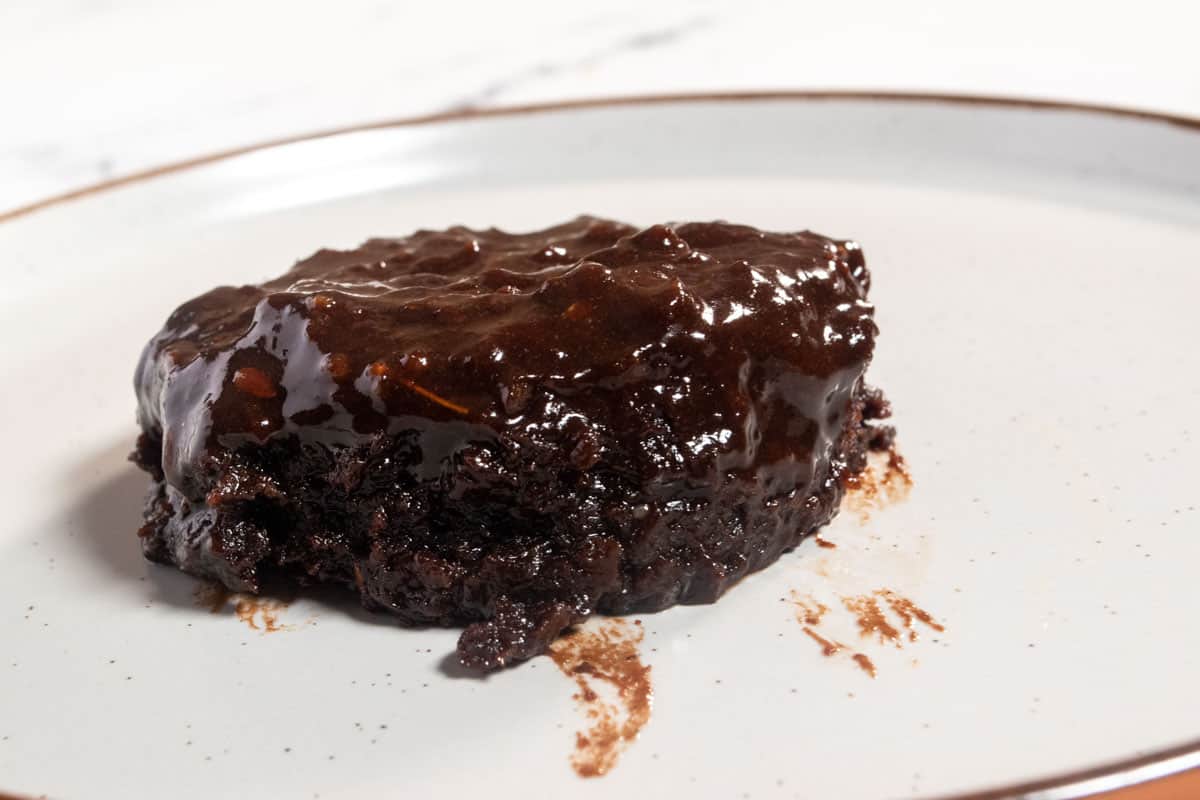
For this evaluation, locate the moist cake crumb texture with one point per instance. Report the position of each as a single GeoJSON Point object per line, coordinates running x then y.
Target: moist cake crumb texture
{"type": "Point", "coordinates": [511, 432]}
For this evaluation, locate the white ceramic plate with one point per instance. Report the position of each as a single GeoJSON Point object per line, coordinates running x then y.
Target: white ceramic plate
{"type": "Point", "coordinates": [1036, 278]}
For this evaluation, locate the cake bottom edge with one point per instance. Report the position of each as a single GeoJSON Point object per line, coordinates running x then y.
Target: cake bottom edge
{"type": "Point", "coordinates": [516, 587]}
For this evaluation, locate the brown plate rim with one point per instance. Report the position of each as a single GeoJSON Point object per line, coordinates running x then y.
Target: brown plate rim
{"type": "Point", "coordinates": [474, 113]}
{"type": "Point", "coordinates": [1107, 777]}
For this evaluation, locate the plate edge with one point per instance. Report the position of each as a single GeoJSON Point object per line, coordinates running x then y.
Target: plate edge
{"type": "Point", "coordinates": [469, 113]}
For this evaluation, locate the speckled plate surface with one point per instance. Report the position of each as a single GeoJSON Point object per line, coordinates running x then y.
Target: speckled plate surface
{"type": "Point", "coordinates": [1035, 277]}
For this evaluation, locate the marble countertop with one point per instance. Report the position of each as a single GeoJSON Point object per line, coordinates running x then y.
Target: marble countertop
{"type": "Point", "coordinates": [93, 90]}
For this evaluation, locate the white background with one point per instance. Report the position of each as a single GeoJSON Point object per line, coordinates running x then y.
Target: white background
{"type": "Point", "coordinates": [90, 89]}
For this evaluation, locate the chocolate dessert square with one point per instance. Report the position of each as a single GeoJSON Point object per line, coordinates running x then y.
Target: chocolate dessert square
{"type": "Point", "coordinates": [513, 431]}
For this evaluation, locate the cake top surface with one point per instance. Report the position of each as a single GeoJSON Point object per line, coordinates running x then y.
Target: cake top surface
{"type": "Point", "coordinates": [472, 326]}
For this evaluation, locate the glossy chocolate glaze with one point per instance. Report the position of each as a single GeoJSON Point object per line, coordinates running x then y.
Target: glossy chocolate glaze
{"type": "Point", "coordinates": [646, 415]}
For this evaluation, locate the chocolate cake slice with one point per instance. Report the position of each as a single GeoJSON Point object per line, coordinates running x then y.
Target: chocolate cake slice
{"type": "Point", "coordinates": [513, 431]}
